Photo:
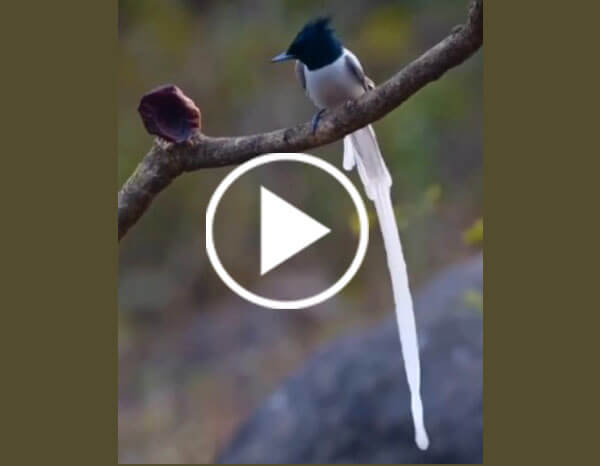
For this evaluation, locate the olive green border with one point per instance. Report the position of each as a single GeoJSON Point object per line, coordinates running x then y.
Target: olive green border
{"type": "Point", "coordinates": [59, 189]}
{"type": "Point", "coordinates": [535, 190]}
{"type": "Point", "coordinates": [59, 184]}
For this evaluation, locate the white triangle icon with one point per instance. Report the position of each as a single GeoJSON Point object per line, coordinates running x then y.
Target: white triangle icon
{"type": "Point", "coordinates": [284, 230]}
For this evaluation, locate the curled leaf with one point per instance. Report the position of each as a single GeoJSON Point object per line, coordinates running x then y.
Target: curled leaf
{"type": "Point", "coordinates": [167, 112]}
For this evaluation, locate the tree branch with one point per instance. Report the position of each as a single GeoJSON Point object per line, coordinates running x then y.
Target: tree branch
{"type": "Point", "coordinates": [166, 161]}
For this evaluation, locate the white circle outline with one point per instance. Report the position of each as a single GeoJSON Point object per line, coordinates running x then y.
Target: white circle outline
{"type": "Point", "coordinates": [361, 249]}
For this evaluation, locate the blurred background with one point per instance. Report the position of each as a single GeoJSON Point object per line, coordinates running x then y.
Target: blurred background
{"type": "Point", "coordinates": [194, 359]}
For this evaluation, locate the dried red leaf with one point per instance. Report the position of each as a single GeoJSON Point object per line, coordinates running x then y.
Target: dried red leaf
{"type": "Point", "coordinates": [167, 112]}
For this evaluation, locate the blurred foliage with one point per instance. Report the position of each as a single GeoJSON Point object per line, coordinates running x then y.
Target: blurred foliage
{"type": "Point", "coordinates": [474, 300]}
{"type": "Point", "coordinates": [177, 402]}
{"type": "Point", "coordinates": [474, 234]}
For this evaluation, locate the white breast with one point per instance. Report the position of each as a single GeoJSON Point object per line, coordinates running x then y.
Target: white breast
{"type": "Point", "coordinates": [333, 84]}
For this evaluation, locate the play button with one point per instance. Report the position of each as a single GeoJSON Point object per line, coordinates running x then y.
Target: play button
{"type": "Point", "coordinates": [284, 230]}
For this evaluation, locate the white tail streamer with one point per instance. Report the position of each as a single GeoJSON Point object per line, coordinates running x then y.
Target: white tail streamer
{"type": "Point", "coordinates": [361, 149]}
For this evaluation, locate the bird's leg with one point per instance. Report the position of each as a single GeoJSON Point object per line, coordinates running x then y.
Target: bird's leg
{"type": "Point", "coordinates": [316, 119]}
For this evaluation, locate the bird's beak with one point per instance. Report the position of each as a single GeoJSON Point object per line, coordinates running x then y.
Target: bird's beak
{"type": "Point", "coordinates": [282, 57]}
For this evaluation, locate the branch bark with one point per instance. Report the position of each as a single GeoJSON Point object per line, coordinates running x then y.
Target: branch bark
{"type": "Point", "coordinates": [166, 161]}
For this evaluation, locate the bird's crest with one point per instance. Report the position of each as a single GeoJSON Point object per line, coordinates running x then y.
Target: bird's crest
{"type": "Point", "coordinates": [323, 22]}
{"type": "Point", "coordinates": [316, 44]}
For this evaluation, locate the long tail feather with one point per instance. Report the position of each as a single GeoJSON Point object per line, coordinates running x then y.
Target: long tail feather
{"type": "Point", "coordinates": [361, 148]}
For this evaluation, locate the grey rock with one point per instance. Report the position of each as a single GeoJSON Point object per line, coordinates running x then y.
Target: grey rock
{"type": "Point", "coordinates": [350, 403]}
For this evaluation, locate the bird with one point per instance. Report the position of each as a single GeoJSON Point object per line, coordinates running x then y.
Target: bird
{"type": "Point", "coordinates": [330, 75]}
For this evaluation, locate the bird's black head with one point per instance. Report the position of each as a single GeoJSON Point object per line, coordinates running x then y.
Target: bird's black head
{"type": "Point", "coordinates": [315, 45]}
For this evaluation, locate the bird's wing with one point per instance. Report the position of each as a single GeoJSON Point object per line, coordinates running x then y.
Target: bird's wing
{"type": "Point", "coordinates": [299, 69]}
{"type": "Point", "coordinates": [357, 71]}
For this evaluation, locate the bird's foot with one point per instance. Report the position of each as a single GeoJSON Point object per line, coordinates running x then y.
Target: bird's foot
{"type": "Point", "coordinates": [316, 119]}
